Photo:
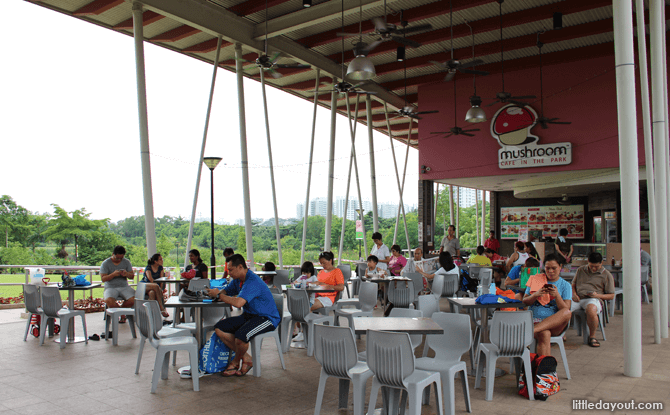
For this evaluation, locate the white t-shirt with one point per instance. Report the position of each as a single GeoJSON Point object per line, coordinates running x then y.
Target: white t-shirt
{"type": "Point", "coordinates": [523, 256]}
{"type": "Point", "coordinates": [381, 252]}
{"type": "Point", "coordinates": [376, 273]}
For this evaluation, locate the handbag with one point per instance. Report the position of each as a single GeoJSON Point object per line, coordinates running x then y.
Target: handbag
{"type": "Point", "coordinates": [214, 355]}
{"type": "Point", "coordinates": [81, 280]}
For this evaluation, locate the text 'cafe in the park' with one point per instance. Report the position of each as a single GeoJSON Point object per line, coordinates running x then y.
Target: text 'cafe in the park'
{"type": "Point", "coordinates": [542, 176]}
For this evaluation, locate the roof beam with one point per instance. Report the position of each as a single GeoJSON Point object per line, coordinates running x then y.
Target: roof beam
{"type": "Point", "coordinates": [178, 33]}
{"type": "Point", "coordinates": [206, 46]}
{"type": "Point", "coordinates": [97, 7]}
{"type": "Point", "coordinates": [148, 17]}
{"type": "Point", "coordinates": [215, 20]}
{"type": "Point", "coordinates": [489, 24]}
{"type": "Point", "coordinates": [313, 16]}
{"type": "Point", "coordinates": [253, 6]}
{"type": "Point", "coordinates": [411, 15]}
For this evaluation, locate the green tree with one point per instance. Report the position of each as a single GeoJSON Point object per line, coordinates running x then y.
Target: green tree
{"type": "Point", "coordinates": [13, 217]}
{"type": "Point", "coordinates": [63, 226]}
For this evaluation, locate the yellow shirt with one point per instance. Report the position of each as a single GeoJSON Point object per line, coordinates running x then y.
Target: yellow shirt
{"type": "Point", "coordinates": [480, 260]}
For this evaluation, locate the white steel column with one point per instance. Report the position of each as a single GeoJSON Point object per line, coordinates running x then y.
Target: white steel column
{"type": "Point", "coordinates": [630, 200]}
{"type": "Point", "coordinates": [373, 177]}
{"type": "Point", "coordinates": [352, 132]}
{"type": "Point", "coordinates": [437, 198]}
{"type": "Point", "coordinates": [346, 194]}
{"type": "Point", "coordinates": [239, 71]}
{"type": "Point", "coordinates": [272, 171]}
{"type": "Point", "coordinates": [331, 167]}
{"type": "Point", "coordinates": [202, 152]}
{"type": "Point", "coordinates": [659, 114]}
{"type": "Point", "coordinates": [309, 171]}
{"type": "Point", "coordinates": [649, 159]}
{"type": "Point", "coordinates": [476, 217]}
{"type": "Point", "coordinates": [402, 190]}
{"type": "Point", "coordinates": [483, 238]}
{"type": "Point", "coordinates": [397, 176]}
{"type": "Point", "coordinates": [149, 223]}
{"type": "Point", "coordinates": [667, 161]}
{"type": "Point", "coordinates": [451, 206]}
{"type": "Point", "coordinates": [458, 212]}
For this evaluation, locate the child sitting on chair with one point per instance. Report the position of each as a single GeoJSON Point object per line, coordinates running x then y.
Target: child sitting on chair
{"type": "Point", "coordinates": [373, 271]}
{"type": "Point", "coordinates": [307, 270]}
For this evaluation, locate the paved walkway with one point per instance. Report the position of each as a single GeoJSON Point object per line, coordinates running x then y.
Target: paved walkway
{"type": "Point", "coordinates": [99, 378]}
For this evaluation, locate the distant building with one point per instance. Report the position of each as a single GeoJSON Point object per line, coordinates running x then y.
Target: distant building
{"type": "Point", "coordinates": [352, 206]}
{"type": "Point", "coordinates": [467, 197]}
{"type": "Point", "coordinates": [300, 210]}
{"type": "Point", "coordinates": [318, 207]}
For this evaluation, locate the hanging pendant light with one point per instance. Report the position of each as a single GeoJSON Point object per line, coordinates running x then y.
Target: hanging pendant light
{"type": "Point", "coordinates": [400, 54]}
{"type": "Point", "coordinates": [361, 68]}
{"type": "Point", "coordinates": [476, 113]}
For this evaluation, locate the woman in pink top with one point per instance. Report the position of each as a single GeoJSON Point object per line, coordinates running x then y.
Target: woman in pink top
{"type": "Point", "coordinates": [397, 262]}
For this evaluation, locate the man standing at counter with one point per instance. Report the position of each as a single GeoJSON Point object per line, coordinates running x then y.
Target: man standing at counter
{"type": "Point", "coordinates": [592, 283]}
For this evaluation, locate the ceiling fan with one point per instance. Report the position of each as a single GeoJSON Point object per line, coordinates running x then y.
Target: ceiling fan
{"type": "Point", "coordinates": [453, 65]}
{"type": "Point", "coordinates": [506, 97]}
{"type": "Point", "coordinates": [408, 110]}
{"type": "Point", "coordinates": [456, 130]}
{"type": "Point", "coordinates": [269, 63]}
{"type": "Point", "coordinates": [544, 121]}
{"type": "Point", "coordinates": [344, 87]}
{"type": "Point", "coordinates": [385, 31]}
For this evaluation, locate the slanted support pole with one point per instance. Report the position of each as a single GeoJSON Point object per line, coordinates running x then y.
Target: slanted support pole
{"type": "Point", "coordinates": [239, 71]}
{"type": "Point", "coordinates": [397, 176]}
{"type": "Point", "coordinates": [331, 167]}
{"type": "Point", "coordinates": [630, 204]}
{"type": "Point", "coordinates": [402, 189]}
{"type": "Point", "coordinates": [373, 177]}
{"type": "Point", "coordinates": [149, 222]}
{"type": "Point", "coordinates": [202, 153]}
{"type": "Point", "coordinates": [309, 171]}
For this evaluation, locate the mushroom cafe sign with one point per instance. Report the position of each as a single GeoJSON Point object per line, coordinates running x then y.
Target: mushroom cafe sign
{"type": "Point", "coordinates": [511, 126]}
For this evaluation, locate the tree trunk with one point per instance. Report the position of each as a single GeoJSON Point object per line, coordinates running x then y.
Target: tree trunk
{"type": "Point", "coordinates": [76, 258]}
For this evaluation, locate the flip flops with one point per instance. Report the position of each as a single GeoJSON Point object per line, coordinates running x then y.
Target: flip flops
{"type": "Point", "coordinates": [102, 336]}
{"type": "Point", "coordinates": [231, 370]}
{"type": "Point", "coordinates": [246, 367]}
{"type": "Point", "coordinates": [94, 337]}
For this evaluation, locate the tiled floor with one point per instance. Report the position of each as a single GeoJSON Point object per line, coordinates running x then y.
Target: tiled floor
{"type": "Point", "coordinates": [99, 378]}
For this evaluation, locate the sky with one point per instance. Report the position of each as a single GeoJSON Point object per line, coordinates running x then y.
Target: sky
{"type": "Point", "coordinates": [69, 130]}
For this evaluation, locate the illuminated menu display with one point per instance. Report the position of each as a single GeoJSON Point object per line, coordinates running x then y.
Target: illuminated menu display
{"type": "Point", "coordinates": [517, 222]}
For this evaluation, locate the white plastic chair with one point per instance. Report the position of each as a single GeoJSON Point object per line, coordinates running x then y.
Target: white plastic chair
{"type": "Point", "coordinates": [511, 334]}
{"type": "Point", "coordinates": [335, 350]}
{"type": "Point", "coordinates": [417, 280]}
{"type": "Point", "coordinates": [448, 347]}
{"type": "Point", "coordinates": [281, 278]}
{"type": "Point", "coordinates": [163, 346]}
{"type": "Point", "coordinates": [559, 341]}
{"type": "Point", "coordinates": [391, 359]}
{"type": "Point", "coordinates": [583, 328]}
{"type": "Point", "coordinates": [298, 306]}
{"type": "Point", "coordinates": [450, 285]}
{"type": "Point", "coordinates": [486, 277]}
{"type": "Point", "coordinates": [52, 306]}
{"type": "Point", "coordinates": [31, 297]}
{"type": "Point", "coordinates": [163, 333]}
{"type": "Point", "coordinates": [114, 314]}
{"type": "Point", "coordinates": [437, 286]}
{"type": "Point", "coordinates": [257, 340]}
{"type": "Point", "coordinates": [401, 293]}
{"type": "Point", "coordinates": [368, 300]}
{"type": "Point", "coordinates": [428, 305]}
{"type": "Point", "coordinates": [346, 272]}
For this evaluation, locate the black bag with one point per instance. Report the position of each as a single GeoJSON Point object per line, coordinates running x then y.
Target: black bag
{"type": "Point", "coordinates": [67, 280]}
{"type": "Point", "coordinates": [467, 283]}
{"type": "Point", "coordinates": [188, 295]}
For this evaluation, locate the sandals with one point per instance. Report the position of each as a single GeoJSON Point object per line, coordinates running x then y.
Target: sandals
{"type": "Point", "coordinates": [164, 313]}
{"type": "Point", "coordinates": [593, 342]}
{"type": "Point", "coordinates": [231, 370]}
{"type": "Point", "coordinates": [246, 367]}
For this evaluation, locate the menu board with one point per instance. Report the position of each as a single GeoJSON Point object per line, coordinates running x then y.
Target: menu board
{"type": "Point", "coordinates": [519, 222]}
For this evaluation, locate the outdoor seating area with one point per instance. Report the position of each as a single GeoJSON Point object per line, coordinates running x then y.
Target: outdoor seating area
{"type": "Point", "coordinates": [101, 378]}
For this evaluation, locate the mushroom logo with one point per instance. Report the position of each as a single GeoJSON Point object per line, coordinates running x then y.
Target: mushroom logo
{"type": "Point", "coordinates": [511, 125]}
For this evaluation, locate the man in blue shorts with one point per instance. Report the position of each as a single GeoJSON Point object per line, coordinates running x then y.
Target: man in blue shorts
{"type": "Point", "coordinates": [549, 297]}
{"type": "Point", "coordinates": [260, 314]}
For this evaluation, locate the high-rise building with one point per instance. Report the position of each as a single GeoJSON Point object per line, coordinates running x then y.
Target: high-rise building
{"type": "Point", "coordinates": [467, 197]}
{"type": "Point", "coordinates": [352, 206]}
{"type": "Point", "coordinates": [300, 210]}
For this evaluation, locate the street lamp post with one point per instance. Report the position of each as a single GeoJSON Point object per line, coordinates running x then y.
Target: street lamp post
{"type": "Point", "coordinates": [212, 162]}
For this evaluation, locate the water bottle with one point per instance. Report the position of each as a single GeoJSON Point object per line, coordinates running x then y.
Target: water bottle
{"type": "Point", "coordinates": [480, 289]}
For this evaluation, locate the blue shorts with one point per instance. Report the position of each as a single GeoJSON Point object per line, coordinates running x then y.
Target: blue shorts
{"type": "Point", "coordinates": [245, 326]}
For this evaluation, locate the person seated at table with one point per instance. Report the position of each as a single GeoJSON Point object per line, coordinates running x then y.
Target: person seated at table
{"type": "Point", "coordinates": [329, 277]}
{"type": "Point", "coordinates": [115, 273]}
{"type": "Point", "coordinates": [308, 276]}
{"type": "Point", "coordinates": [493, 256]}
{"type": "Point", "coordinates": [548, 297]}
{"type": "Point", "coordinates": [226, 253]}
{"type": "Point", "coordinates": [269, 266]}
{"type": "Point", "coordinates": [374, 270]}
{"type": "Point", "coordinates": [397, 262]}
{"type": "Point", "coordinates": [519, 256]}
{"type": "Point", "coordinates": [564, 247]}
{"type": "Point", "coordinates": [259, 313]}
{"type": "Point", "coordinates": [201, 269]}
{"type": "Point", "coordinates": [480, 258]}
{"type": "Point", "coordinates": [498, 271]}
{"type": "Point", "coordinates": [415, 263]}
{"type": "Point", "coordinates": [155, 270]}
{"type": "Point", "coordinates": [519, 272]}
{"type": "Point", "coordinates": [645, 261]}
{"type": "Point", "coordinates": [447, 268]}
{"type": "Point", "coordinates": [531, 251]}
{"type": "Point", "coordinates": [492, 243]}
{"type": "Point", "coordinates": [592, 285]}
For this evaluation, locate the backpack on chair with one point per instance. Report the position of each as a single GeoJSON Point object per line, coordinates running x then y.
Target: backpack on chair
{"type": "Point", "coordinates": [467, 283]}
{"type": "Point", "coordinates": [545, 378]}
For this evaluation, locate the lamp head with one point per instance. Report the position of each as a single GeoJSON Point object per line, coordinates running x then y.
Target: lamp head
{"type": "Point", "coordinates": [212, 162]}
{"type": "Point", "coordinates": [475, 114]}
